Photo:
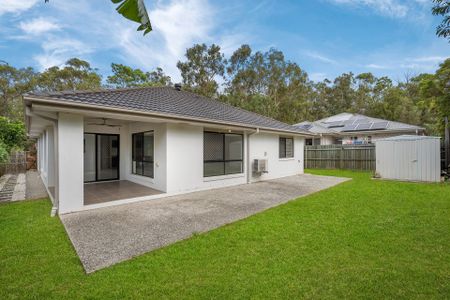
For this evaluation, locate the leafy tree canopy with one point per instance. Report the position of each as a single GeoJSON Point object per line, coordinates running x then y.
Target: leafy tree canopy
{"type": "Point", "coordinates": [442, 8]}
{"type": "Point", "coordinates": [76, 74]}
{"type": "Point", "coordinates": [13, 83]}
{"type": "Point", "coordinates": [125, 76]}
{"type": "Point", "coordinates": [12, 134]}
{"type": "Point", "coordinates": [203, 66]}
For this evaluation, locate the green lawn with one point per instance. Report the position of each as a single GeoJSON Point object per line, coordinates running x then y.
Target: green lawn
{"type": "Point", "coordinates": [362, 239]}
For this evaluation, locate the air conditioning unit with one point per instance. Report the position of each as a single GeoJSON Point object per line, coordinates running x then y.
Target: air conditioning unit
{"type": "Point", "coordinates": [260, 166]}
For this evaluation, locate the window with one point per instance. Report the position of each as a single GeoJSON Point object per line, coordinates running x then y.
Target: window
{"type": "Point", "coordinates": [222, 153]}
{"type": "Point", "coordinates": [286, 147]}
{"type": "Point", "coordinates": [142, 154]}
{"type": "Point", "coordinates": [369, 139]}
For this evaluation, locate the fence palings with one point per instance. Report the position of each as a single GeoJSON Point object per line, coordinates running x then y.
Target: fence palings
{"type": "Point", "coordinates": [352, 157]}
{"type": "Point", "coordinates": [17, 164]}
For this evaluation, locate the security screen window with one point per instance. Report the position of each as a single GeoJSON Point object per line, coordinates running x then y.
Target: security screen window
{"type": "Point", "coordinates": [142, 154]}
{"type": "Point", "coordinates": [222, 154]}
{"type": "Point", "coordinates": [286, 147]}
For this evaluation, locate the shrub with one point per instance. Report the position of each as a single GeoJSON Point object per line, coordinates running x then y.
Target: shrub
{"type": "Point", "coordinates": [4, 155]}
{"type": "Point", "coordinates": [12, 134]}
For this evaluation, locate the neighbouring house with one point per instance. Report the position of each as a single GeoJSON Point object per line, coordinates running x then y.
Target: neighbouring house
{"type": "Point", "coordinates": [348, 128]}
{"type": "Point", "coordinates": [110, 147]}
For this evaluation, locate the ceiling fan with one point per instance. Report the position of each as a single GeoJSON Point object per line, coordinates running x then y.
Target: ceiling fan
{"type": "Point", "coordinates": [105, 124]}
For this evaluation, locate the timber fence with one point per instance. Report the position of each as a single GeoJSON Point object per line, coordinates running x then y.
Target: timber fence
{"type": "Point", "coordinates": [351, 157]}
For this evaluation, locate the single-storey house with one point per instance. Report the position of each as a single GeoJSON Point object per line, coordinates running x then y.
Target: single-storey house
{"type": "Point", "coordinates": [348, 128]}
{"type": "Point", "coordinates": [109, 147]}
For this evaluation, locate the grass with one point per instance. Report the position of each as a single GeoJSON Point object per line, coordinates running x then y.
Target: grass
{"type": "Point", "coordinates": [361, 239]}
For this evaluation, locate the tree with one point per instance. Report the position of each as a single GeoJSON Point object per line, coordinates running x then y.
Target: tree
{"type": "Point", "coordinates": [443, 84]}
{"type": "Point", "coordinates": [13, 83]}
{"type": "Point", "coordinates": [159, 78]}
{"type": "Point", "coordinates": [202, 67]}
{"type": "Point", "coordinates": [4, 155]}
{"type": "Point", "coordinates": [125, 76]}
{"type": "Point", "coordinates": [12, 134]}
{"type": "Point", "coordinates": [442, 8]}
{"type": "Point", "coordinates": [281, 87]}
{"type": "Point", "coordinates": [77, 74]}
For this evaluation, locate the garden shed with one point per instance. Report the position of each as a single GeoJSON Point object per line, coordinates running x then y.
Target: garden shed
{"type": "Point", "coordinates": [409, 158]}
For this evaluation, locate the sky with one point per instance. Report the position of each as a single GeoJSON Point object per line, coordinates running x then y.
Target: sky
{"type": "Point", "coordinates": [326, 38]}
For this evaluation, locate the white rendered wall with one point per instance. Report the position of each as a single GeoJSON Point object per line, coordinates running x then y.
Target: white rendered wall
{"type": "Point", "coordinates": [327, 140]}
{"type": "Point", "coordinates": [70, 157]}
{"type": "Point", "coordinates": [43, 167]}
{"type": "Point", "coordinates": [185, 161]}
{"type": "Point", "coordinates": [50, 157]}
{"type": "Point", "coordinates": [266, 146]}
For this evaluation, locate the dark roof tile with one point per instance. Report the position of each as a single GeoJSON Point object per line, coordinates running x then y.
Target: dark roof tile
{"type": "Point", "coordinates": [167, 100]}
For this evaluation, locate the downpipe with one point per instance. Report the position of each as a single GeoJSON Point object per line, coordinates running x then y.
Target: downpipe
{"type": "Point", "coordinates": [249, 164]}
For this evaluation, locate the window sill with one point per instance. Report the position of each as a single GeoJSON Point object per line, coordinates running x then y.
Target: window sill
{"type": "Point", "coordinates": [286, 159]}
{"type": "Point", "coordinates": [223, 177]}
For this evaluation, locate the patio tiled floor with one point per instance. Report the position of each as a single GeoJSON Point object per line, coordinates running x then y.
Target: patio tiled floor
{"type": "Point", "coordinates": [101, 192]}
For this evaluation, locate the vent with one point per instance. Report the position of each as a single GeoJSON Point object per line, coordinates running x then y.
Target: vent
{"type": "Point", "coordinates": [178, 86]}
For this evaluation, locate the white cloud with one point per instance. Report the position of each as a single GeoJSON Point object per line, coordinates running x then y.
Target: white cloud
{"type": "Point", "coordinates": [377, 66]}
{"type": "Point", "coordinates": [391, 8]}
{"type": "Point", "coordinates": [431, 59]}
{"type": "Point", "coordinates": [16, 6]}
{"type": "Point", "coordinates": [177, 25]}
{"type": "Point", "coordinates": [182, 22]}
{"type": "Point", "coordinates": [58, 51]}
{"type": "Point", "coordinates": [38, 26]}
{"type": "Point", "coordinates": [321, 57]}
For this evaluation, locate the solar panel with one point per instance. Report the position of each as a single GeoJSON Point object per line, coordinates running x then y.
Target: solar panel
{"type": "Point", "coordinates": [379, 125]}
{"type": "Point", "coordinates": [335, 124]}
{"type": "Point", "coordinates": [349, 128]}
{"type": "Point", "coordinates": [306, 126]}
{"type": "Point", "coordinates": [362, 121]}
{"type": "Point", "coordinates": [349, 122]}
{"type": "Point", "coordinates": [365, 126]}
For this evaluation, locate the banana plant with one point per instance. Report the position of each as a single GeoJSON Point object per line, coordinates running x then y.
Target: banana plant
{"type": "Point", "coordinates": [135, 10]}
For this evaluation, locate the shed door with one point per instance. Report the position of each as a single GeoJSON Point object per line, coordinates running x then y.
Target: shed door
{"type": "Point", "coordinates": [411, 152]}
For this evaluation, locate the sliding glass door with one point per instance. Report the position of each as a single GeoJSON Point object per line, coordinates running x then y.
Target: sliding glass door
{"type": "Point", "coordinates": [101, 157]}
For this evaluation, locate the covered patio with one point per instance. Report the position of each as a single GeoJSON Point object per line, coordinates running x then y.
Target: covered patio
{"type": "Point", "coordinates": [101, 192]}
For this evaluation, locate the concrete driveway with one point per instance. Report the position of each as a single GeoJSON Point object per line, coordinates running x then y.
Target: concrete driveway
{"type": "Point", "coordinates": [105, 236]}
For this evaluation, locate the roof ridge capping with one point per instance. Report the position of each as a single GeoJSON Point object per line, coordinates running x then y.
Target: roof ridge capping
{"type": "Point", "coordinates": [100, 90]}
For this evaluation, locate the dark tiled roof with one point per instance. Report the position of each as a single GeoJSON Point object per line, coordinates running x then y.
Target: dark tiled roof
{"type": "Point", "coordinates": [171, 102]}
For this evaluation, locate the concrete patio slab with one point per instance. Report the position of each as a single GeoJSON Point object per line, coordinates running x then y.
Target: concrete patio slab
{"type": "Point", "coordinates": [105, 236]}
{"type": "Point", "coordinates": [35, 188]}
